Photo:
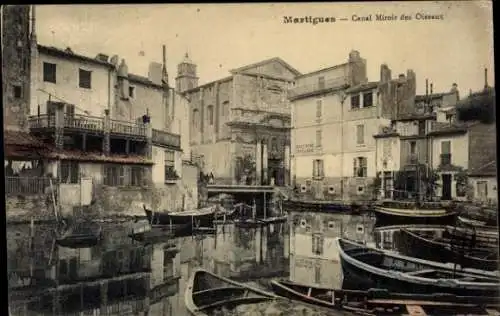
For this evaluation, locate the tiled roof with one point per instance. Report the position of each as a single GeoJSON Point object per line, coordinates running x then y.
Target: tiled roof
{"type": "Point", "coordinates": [266, 61]}
{"type": "Point", "coordinates": [96, 157]}
{"type": "Point", "coordinates": [439, 128]}
{"type": "Point", "coordinates": [363, 86]}
{"type": "Point", "coordinates": [25, 139]}
{"type": "Point", "coordinates": [143, 80]}
{"type": "Point", "coordinates": [69, 54]}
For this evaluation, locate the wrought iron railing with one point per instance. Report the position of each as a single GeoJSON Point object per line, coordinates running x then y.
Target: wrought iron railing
{"type": "Point", "coordinates": [166, 138]}
{"type": "Point", "coordinates": [127, 128]}
{"type": "Point", "coordinates": [26, 185]}
{"type": "Point", "coordinates": [316, 87]}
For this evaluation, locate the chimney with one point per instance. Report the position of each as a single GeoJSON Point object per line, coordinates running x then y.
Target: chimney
{"type": "Point", "coordinates": [155, 73]}
{"type": "Point", "coordinates": [454, 87]}
{"type": "Point", "coordinates": [401, 77]}
{"type": "Point", "coordinates": [431, 88]}
{"type": "Point", "coordinates": [33, 22]}
{"type": "Point", "coordinates": [485, 78]}
{"type": "Point", "coordinates": [426, 87]}
{"type": "Point", "coordinates": [164, 75]}
{"type": "Point", "coordinates": [102, 57]}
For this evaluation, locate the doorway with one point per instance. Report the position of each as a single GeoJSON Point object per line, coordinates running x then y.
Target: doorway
{"type": "Point", "coordinates": [446, 193]}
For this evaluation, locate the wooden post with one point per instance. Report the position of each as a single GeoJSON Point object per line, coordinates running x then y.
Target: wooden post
{"type": "Point", "coordinates": [265, 208]}
{"type": "Point", "coordinates": [53, 200]}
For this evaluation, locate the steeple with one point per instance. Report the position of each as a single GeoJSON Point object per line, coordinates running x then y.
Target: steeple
{"type": "Point", "coordinates": [186, 75]}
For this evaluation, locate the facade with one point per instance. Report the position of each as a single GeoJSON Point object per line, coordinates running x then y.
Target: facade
{"type": "Point", "coordinates": [105, 131]}
{"type": "Point", "coordinates": [240, 124]}
{"type": "Point", "coordinates": [335, 112]}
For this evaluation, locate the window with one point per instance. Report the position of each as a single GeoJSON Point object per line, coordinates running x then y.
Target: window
{"type": "Point", "coordinates": [318, 171]}
{"type": "Point", "coordinates": [360, 167]}
{"type": "Point", "coordinates": [317, 244]}
{"type": "Point", "coordinates": [319, 105]}
{"type": "Point", "coordinates": [355, 101]}
{"type": "Point", "coordinates": [317, 274]}
{"type": "Point", "coordinates": [196, 117]}
{"type": "Point", "coordinates": [421, 128]}
{"type": "Point", "coordinates": [85, 77]}
{"type": "Point", "coordinates": [49, 72]}
{"type": "Point", "coordinates": [367, 99]}
{"type": "Point", "coordinates": [114, 175]}
{"type": "Point", "coordinates": [17, 91]}
{"type": "Point", "coordinates": [319, 137]}
{"type": "Point", "coordinates": [131, 92]}
{"type": "Point", "coordinates": [360, 134]}
{"type": "Point", "coordinates": [70, 172]}
{"type": "Point", "coordinates": [170, 173]}
{"type": "Point", "coordinates": [482, 189]}
{"type": "Point", "coordinates": [321, 82]}
{"type": "Point", "coordinates": [445, 153]}
{"type": "Point", "coordinates": [225, 108]}
{"type": "Point", "coordinates": [210, 111]}
{"type": "Point", "coordinates": [137, 176]}
{"type": "Point", "coordinates": [413, 147]}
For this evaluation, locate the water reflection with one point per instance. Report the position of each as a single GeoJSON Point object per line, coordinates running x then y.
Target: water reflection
{"type": "Point", "coordinates": [121, 276]}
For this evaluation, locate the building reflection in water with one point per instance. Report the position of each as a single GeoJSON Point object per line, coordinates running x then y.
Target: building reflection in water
{"type": "Point", "coordinates": [314, 258]}
{"type": "Point", "coordinates": [120, 277]}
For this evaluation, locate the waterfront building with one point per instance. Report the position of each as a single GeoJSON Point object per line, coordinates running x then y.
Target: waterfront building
{"type": "Point", "coordinates": [240, 124]}
{"type": "Point", "coordinates": [335, 113]}
{"type": "Point", "coordinates": [111, 138]}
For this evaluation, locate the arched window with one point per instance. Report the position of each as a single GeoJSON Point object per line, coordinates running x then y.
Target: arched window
{"type": "Point", "coordinates": [210, 115]}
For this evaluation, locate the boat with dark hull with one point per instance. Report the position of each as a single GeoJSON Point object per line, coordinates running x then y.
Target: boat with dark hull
{"type": "Point", "coordinates": [390, 215]}
{"type": "Point", "coordinates": [203, 217]}
{"type": "Point", "coordinates": [80, 235]}
{"type": "Point", "coordinates": [382, 302]}
{"type": "Point", "coordinates": [435, 246]}
{"type": "Point", "coordinates": [323, 206]}
{"type": "Point", "coordinates": [208, 293]}
{"type": "Point", "coordinates": [365, 268]}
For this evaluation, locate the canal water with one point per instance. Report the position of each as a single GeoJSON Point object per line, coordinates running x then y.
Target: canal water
{"type": "Point", "coordinates": [124, 277]}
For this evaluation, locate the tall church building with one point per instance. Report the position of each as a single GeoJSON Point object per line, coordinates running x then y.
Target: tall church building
{"type": "Point", "coordinates": [240, 124]}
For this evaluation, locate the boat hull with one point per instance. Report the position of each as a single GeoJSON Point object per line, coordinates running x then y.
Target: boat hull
{"type": "Point", "coordinates": [387, 217]}
{"type": "Point", "coordinates": [333, 207]}
{"type": "Point", "coordinates": [413, 245]}
{"type": "Point", "coordinates": [203, 220]}
{"type": "Point", "coordinates": [363, 275]}
{"type": "Point", "coordinates": [284, 291]}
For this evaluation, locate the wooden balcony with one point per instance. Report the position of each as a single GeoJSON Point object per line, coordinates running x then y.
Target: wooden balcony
{"type": "Point", "coordinates": [84, 123]}
{"type": "Point", "coordinates": [128, 128]}
{"type": "Point", "coordinates": [25, 185]}
{"type": "Point", "coordinates": [164, 138]}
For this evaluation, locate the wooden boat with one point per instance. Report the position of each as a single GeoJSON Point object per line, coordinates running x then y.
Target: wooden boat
{"type": "Point", "coordinates": [325, 206]}
{"type": "Point", "coordinates": [434, 246]}
{"type": "Point", "coordinates": [199, 218]}
{"type": "Point", "coordinates": [483, 237]}
{"type": "Point", "coordinates": [386, 216]}
{"type": "Point", "coordinates": [155, 234]}
{"type": "Point", "coordinates": [382, 302]}
{"type": "Point", "coordinates": [364, 268]}
{"type": "Point", "coordinates": [80, 235]}
{"type": "Point", "coordinates": [207, 293]}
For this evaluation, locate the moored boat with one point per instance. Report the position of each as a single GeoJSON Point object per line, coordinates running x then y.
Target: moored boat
{"type": "Point", "coordinates": [80, 235]}
{"type": "Point", "coordinates": [364, 268]}
{"type": "Point", "coordinates": [433, 245]}
{"type": "Point", "coordinates": [203, 217]}
{"type": "Point", "coordinates": [207, 293]}
{"type": "Point", "coordinates": [325, 206]}
{"type": "Point", "coordinates": [382, 302]}
{"type": "Point", "coordinates": [389, 215]}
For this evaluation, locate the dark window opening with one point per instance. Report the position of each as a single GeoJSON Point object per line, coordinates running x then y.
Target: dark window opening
{"type": "Point", "coordinates": [85, 77]}
{"type": "Point", "coordinates": [355, 101]}
{"type": "Point", "coordinates": [18, 92]}
{"type": "Point", "coordinates": [367, 99]}
{"type": "Point", "coordinates": [70, 172]}
{"type": "Point", "coordinates": [49, 72]}
{"type": "Point", "coordinates": [131, 92]}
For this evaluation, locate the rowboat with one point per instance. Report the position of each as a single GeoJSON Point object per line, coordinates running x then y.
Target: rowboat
{"type": "Point", "coordinates": [391, 216]}
{"type": "Point", "coordinates": [365, 268]}
{"type": "Point", "coordinates": [325, 206]}
{"type": "Point", "coordinates": [434, 246]}
{"type": "Point", "coordinates": [382, 302]}
{"type": "Point", "coordinates": [81, 235]}
{"type": "Point", "coordinates": [207, 293]}
{"type": "Point", "coordinates": [203, 217]}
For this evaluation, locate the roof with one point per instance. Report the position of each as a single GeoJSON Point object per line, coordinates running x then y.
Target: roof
{"type": "Point", "coordinates": [69, 54]}
{"type": "Point", "coordinates": [263, 62]}
{"type": "Point", "coordinates": [423, 97]}
{"type": "Point", "coordinates": [363, 87]}
{"type": "Point", "coordinates": [228, 78]}
{"type": "Point", "coordinates": [322, 69]}
{"type": "Point", "coordinates": [24, 139]}
{"type": "Point", "coordinates": [416, 116]}
{"type": "Point", "coordinates": [443, 128]}
{"type": "Point", "coordinates": [488, 169]}
{"type": "Point", "coordinates": [96, 157]}
{"type": "Point", "coordinates": [143, 80]}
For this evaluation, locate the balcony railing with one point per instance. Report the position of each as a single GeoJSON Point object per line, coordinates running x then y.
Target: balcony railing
{"type": "Point", "coordinates": [26, 185]}
{"type": "Point", "coordinates": [84, 122]}
{"type": "Point", "coordinates": [445, 159]}
{"type": "Point", "coordinates": [316, 87]}
{"type": "Point", "coordinates": [166, 138]}
{"type": "Point", "coordinates": [42, 121]}
{"type": "Point", "coordinates": [127, 128]}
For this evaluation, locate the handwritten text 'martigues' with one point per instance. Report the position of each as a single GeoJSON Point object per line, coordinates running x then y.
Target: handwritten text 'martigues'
{"type": "Point", "coordinates": [308, 20]}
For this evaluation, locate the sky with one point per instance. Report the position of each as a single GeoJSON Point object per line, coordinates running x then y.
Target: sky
{"type": "Point", "coordinates": [221, 37]}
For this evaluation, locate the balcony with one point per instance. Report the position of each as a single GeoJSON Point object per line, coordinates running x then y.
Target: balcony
{"type": "Point", "coordinates": [166, 139]}
{"type": "Point", "coordinates": [318, 87]}
{"type": "Point", "coordinates": [127, 128]}
{"type": "Point", "coordinates": [445, 159]}
{"type": "Point", "coordinates": [25, 185]}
